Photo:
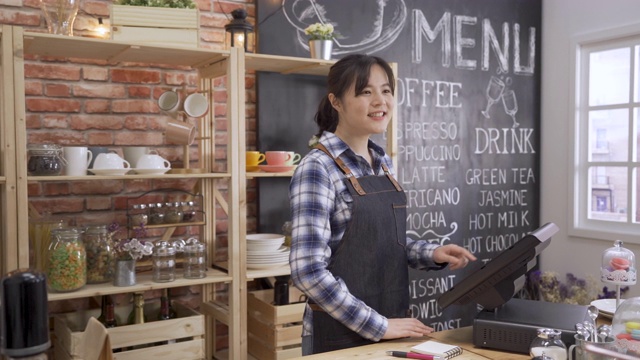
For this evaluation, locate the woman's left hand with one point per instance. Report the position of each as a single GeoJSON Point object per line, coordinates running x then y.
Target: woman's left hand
{"type": "Point", "coordinates": [457, 256]}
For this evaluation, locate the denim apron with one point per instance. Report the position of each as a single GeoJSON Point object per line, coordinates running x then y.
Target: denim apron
{"type": "Point", "coordinates": [371, 257]}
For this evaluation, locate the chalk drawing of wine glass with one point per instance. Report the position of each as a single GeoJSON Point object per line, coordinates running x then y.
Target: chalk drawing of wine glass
{"type": "Point", "coordinates": [510, 104]}
{"type": "Point", "coordinates": [494, 92]}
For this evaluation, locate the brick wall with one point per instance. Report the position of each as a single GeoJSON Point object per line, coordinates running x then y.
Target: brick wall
{"type": "Point", "coordinates": [99, 104]}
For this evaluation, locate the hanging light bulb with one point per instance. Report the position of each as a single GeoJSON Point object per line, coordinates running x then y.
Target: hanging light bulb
{"type": "Point", "coordinates": [101, 29]}
{"type": "Point", "coordinates": [239, 32]}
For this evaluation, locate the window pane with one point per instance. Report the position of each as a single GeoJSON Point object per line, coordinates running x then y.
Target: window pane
{"type": "Point", "coordinates": [636, 72]}
{"type": "Point", "coordinates": [609, 77]}
{"type": "Point", "coordinates": [608, 135]}
{"type": "Point", "coordinates": [608, 193]}
{"type": "Point", "coordinates": [635, 196]}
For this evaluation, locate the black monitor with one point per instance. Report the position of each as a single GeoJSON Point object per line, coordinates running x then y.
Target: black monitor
{"type": "Point", "coordinates": [498, 280]}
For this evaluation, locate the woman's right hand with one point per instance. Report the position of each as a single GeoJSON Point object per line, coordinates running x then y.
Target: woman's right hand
{"type": "Point", "coordinates": [406, 327]}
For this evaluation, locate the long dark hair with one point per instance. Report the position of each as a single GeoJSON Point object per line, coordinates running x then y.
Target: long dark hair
{"type": "Point", "coordinates": [348, 70]}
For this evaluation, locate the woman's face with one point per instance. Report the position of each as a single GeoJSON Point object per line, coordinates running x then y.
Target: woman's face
{"type": "Point", "coordinates": [366, 113]}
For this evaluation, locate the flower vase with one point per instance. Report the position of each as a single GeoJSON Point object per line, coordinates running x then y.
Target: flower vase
{"type": "Point", "coordinates": [321, 49]}
{"type": "Point", "coordinates": [125, 274]}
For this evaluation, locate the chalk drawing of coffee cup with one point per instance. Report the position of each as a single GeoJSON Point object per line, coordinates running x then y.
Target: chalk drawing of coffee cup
{"type": "Point", "coordinates": [386, 19]}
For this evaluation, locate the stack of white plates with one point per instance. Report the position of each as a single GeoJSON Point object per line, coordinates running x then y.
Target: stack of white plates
{"type": "Point", "coordinates": [266, 251]}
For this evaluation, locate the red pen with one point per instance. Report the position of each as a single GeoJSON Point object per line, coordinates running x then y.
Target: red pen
{"type": "Point", "coordinates": [412, 355]}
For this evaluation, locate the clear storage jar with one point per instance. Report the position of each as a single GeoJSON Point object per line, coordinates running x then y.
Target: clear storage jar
{"type": "Point", "coordinates": [100, 254]}
{"type": "Point", "coordinates": [139, 215]}
{"type": "Point", "coordinates": [195, 259]}
{"type": "Point", "coordinates": [156, 214]}
{"type": "Point", "coordinates": [45, 160]}
{"type": "Point", "coordinates": [173, 213]}
{"type": "Point", "coordinates": [548, 345]}
{"type": "Point", "coordinates": [66, 260]}
{"type": "Point", "coordinates": [164, 262]}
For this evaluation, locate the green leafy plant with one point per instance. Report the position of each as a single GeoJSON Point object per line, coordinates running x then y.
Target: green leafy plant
{"type": "Point", "coordinates": [319, 31]}
{"type": "Point", "coordinates": [178, 4]}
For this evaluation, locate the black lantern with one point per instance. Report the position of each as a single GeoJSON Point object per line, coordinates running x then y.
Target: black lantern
{"type": "Point", "coordinates": [239, 32]}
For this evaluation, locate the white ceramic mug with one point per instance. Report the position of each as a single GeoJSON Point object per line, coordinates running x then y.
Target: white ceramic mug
{"type": "Point", "coordinates": [133, 153]}
{"type": "Point", "coordinates": [180, 132]}
{"type": "Point", "coordinates": [196, 105]}
{"type": "Point", "coordinates": [293, 158]}
{"type": "Point", "coordinates": [152, 161]}
{"type": "Point", "coordinates": [78, 160]}
{"type": "Point", "coordinates": [110, 160]}
{"type": "Point", "coordinates": [169, 101]}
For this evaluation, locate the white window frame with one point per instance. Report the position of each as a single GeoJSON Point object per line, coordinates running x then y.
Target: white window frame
{"type": "Point", "coordinates": [579, 223]}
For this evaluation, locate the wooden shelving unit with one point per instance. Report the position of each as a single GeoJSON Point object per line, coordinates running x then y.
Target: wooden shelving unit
{"type": "Point", "coordinates": [16, 44]}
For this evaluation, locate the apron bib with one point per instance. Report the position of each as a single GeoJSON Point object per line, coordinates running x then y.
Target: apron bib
{"type": "Point", "coordinates": [371, 258]}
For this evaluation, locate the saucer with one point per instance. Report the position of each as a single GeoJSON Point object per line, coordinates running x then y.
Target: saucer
{"type": "Point", "coordinates": [112, 172]}
{"type": "Point", "coordinates": [276, 168]}
{"type": "Point", "coordinates": [151, 171]}
{"type": "Point", "coordinates": [606, 306]}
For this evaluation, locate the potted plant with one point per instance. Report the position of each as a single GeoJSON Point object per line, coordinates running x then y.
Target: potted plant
{"type": "Point", "coordinates": [173, 22]}
{"type": "Point", "coordinates": [128, 251]}
{"type": "Point", "coordinates": [320, 40]}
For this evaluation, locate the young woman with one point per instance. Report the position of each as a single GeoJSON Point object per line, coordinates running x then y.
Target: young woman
{"type": "Point", "coordinates": [349, 251]}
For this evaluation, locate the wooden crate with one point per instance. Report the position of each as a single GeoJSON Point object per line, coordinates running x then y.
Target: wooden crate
{"type": "Point", "coordinates": [274, 331]}
{"type": "Point", "coordinates": [155, 26]}
{"type": "Point", "coordinates": [187, 330]}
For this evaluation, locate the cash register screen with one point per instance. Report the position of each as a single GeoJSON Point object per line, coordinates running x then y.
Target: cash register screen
{"type": "Point", "coordinates": [498, 280]}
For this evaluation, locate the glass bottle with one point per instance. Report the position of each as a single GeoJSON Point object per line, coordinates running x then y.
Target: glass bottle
{"type": "Point", "coordinates": [166, 310]}
{"type": "Point", "coordinates": [281, 290]}
{"type": "Point", "coordinates": [548, 345]}
{"type": "Point", "coordinates": [137, 315]}
{"type": "Point", "coordinates": [107, 316]}
{"type": "Point", "coordinates": [66, 260]}
{"type": "Point", "coordinates": [45, 160]}
{"type": "Point", "coordinates": [164, 262]}
{"type": "Point", "coordinates": [100, 254]}
{"type": "Point", "coordinates": [156, 214]}
{"type": "Point", "coordinates": [195, 258]}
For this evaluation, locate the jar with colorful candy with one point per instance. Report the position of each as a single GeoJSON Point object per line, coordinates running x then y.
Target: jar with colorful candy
{"type": "Point", "coordinates": [66, 260]}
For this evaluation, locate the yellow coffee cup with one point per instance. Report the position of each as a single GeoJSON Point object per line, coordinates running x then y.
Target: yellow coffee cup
{"type": "Point", "coordinates": [254, 158]}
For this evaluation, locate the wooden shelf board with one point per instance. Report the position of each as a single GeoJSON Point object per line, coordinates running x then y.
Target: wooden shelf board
{"type": "Point", "coordinates": [3, 179]}
{"type": "Point", "coordinates": [42, 44]}
{"type": "Point", "coordinates": [251, 175]}
{"type": "Point", "coordinates": [144, 282]}
{"type": "Point", "coordinates": [128, 177]}
{"type": "Point", "coordinates": [287, 65]}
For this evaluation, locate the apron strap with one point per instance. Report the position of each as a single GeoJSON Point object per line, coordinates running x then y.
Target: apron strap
{"type": "Point", "coordinates": [345, 170]}
{"type": "Point", "coordinates": [391, 178]}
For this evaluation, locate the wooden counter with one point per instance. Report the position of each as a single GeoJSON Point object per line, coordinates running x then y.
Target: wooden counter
{"type": "Point", "coordinates": [461, 337]}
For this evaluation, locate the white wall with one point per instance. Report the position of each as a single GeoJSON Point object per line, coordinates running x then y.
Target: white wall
{"type": "Point", "coordinates": [561, 20]}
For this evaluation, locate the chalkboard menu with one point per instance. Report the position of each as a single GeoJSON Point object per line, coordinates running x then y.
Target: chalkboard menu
{"type": "Point", "coordinates": [469, 118]}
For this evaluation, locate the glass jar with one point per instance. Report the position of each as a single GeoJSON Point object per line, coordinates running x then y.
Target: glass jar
{"type": "Point", "coordinates": [618, 265]}
{"type": "Point", "coordinates": [625, 327]}
{"type": "Point", "coordinates": [156, 214]}
{"type": "Point", "coordinates": [139, 215]}
{"type": "Point", "coordinates": [164, 262]}
{"type": "Point", "coordinates": [39, 240]}
{"type": "Point", "coordinates": [548, 345]}
{"type": "Point", "coordinates": [66, 260]}
{"type": "Point", "coordinates": [100, 254]}
{"type": "Point", "coordinates": [173, 213]}
{"type": "Point", "coordinates": [189, 211]}
{"type": "Point", "coordinates": [195, 259]}
{"type": "Point", "coordinates": [45, 160]}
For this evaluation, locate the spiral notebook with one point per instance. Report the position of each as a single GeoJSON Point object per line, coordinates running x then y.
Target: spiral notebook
{"type": "Point", "coordinates": [431, 347]}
